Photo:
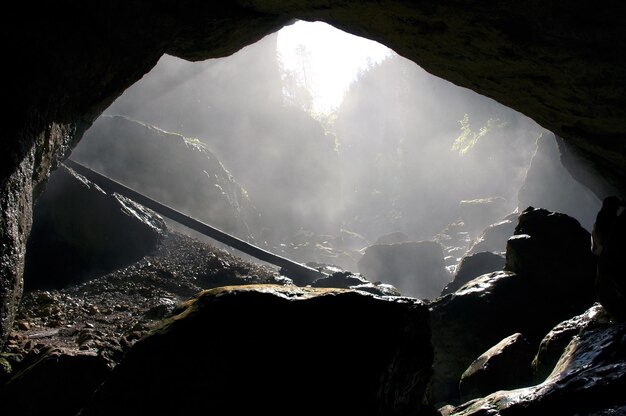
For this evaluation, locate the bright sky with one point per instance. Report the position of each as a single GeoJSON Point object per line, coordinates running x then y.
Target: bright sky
{"type": "Point", "coordinates": [335, 58]}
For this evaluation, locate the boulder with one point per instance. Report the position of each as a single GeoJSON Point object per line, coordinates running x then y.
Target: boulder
{"type": "Point", "coordinates": [494, 237]}
{"type": "Point", "coordinates": [416, 268]}
{"type": "Point", "coordinates": [471, 320]}
{"type": "Point", "coordinates": [81, 232]}
{"type": "Point", "coordinates": [549, 278]}
{"type": "Point", "coordinates": [267, 349]}
{"type": "Point", "coordinates": [473, 266]}
{"type": "Point", "coordinates": [504, 366]}
{"type": "Point", "coordinates": [589, 379]}
{"type": "Point", "coordinates": [56, 383]}
{"type": "Point", "coordinates": [554, 343]}
{"type": "Point", "coordinates": [553, 250]}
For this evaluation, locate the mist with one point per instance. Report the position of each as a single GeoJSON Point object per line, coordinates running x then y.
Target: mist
{"type": "Point", "coordinates": [404, 153]}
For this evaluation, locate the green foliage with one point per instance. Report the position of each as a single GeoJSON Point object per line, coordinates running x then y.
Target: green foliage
{"type": "Point", "coordinates": [468, 138]}
{"type": "Point", "coordinates": [5, 368]}
{"type": "Point", "coordinates": [295, 82]}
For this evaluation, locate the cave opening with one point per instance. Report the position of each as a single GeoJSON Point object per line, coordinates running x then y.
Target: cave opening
{"type": "Point", "coordinates": [382, 354]}
{"type": "Point", "coordinates": [314, 144]}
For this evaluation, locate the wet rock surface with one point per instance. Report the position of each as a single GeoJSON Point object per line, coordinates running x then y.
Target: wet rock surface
{"type": "Point", "coordinates": [270, 348]}
{"type": "Point", "coordinates": [504, 366]}
{"type": "Point", "coordinates": [589, 379]}
{"type": "Point", "coordinates": [554, 343]}
{"type": "Point", "coordinates": [468, 322]}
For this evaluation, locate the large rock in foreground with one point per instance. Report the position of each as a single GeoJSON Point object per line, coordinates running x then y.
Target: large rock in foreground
{"type": "Point", "coordinates": [277, 350]}
{"type": "Point", "coordinates": [56, 383]}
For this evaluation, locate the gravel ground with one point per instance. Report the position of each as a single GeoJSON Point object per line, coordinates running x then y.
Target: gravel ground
{"type": "Point", "coordinates": [108, 314]}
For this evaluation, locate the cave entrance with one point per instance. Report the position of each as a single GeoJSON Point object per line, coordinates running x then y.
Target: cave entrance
{"type": "Point", "coordinates": [316, 144]}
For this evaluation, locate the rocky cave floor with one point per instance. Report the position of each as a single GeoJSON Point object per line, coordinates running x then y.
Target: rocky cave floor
{"type": "Point", "coordinates": [109, 314]}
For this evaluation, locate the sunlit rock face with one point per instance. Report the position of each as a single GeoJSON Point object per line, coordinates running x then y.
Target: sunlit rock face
{"type": "Point", "coordinates": [562, 66]}
{"type": "Point", "coordinates": [177, 171]}
{"type": "Point", "coordinates": [81, 232]}
{"type": "Point", "coordinates": [277, 350]}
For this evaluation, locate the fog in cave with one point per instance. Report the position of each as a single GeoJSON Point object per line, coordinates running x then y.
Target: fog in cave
{"type": "Point", "coordinates": [318, 162]}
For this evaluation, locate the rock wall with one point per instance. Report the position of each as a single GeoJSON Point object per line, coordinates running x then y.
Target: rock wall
{"type": "Point", "coordinates": [548, 185]}
{"type": "Point", "coordinates": [562, 66]}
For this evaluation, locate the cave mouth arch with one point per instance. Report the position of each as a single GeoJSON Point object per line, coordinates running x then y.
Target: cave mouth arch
{"type": "Point", "coordinates": [397, 120]}
{"type": "Point", "coordinates": [562, 67]}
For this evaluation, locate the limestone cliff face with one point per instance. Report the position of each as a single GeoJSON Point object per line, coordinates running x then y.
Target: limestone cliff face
{"type": "Point", "coordinates": [562, 66]}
